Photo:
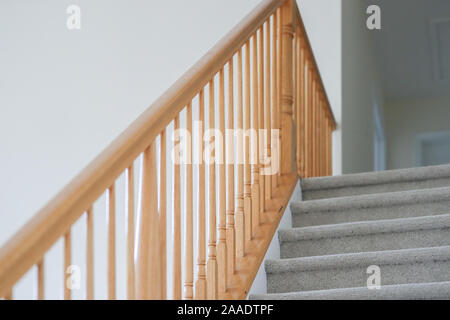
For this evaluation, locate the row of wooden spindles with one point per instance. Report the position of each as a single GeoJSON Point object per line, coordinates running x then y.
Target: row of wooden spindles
{"type": "Point", "coordinates": [227, 211]}
{"type": "Point", "coordinates": [89, 251]}
{"type": "Point", "coordinates": [270, 83]}
{"type": "Point", "coordinates": [313, 118]}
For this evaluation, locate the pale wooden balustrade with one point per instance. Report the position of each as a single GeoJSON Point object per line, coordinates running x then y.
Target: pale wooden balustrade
{"type": "Point", "coordinates": [315, 122]}
{"type": "Point", "coordinates": [262, 84]}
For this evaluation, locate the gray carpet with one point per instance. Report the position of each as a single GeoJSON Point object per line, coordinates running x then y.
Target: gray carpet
{"type": "Point", "coordinates": [397, 221]}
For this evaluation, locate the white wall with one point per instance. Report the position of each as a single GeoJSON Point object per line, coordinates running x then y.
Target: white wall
{"type": "Point", "coordinates": [65, 95]}
{"type": "Point", "coordinates": [361, 88]}
{"type": "Point", "coordinates": [405, 119]}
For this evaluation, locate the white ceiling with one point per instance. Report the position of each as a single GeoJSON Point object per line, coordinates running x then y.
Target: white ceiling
{"type": "Point", "coordinates": [412, 57]}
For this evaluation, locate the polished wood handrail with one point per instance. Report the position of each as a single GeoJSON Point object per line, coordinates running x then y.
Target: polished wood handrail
{"type": "Point", "coordinates": [278, 87]}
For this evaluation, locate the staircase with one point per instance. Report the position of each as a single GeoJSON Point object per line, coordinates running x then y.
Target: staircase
{"type": "Point", "coordinates": [397, 220]}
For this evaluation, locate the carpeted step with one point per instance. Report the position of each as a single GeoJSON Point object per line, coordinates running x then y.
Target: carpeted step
{"type": "Point", "coordinates": [376, 182]}
{"type": "Point", "coordinates": [350, 270]}
{"type": "Point", "coordinates": [379, 206]}
{"type": "Point", "coordinates": [389, 234]}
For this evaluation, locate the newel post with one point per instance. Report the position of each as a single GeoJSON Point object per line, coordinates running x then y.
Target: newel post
{"type": "Point", "coordinates": [287, 90]}
{"type": "Point", "coordinates": [148, 255]}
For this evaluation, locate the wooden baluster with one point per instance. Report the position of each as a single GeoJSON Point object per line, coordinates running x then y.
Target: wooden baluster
{"type": "Point", "coordinates": [111, 214]}
{"type": "Point", "coordinates": [200, 285]}
{"type": "Point", "coordinates": [306, 116]}
{"type": "Point", "coordinates": [321, 144]}
{"type": "Point", "coordinates": [325, 148]}
{"type": "Point", "coordinates": [330, 145]}
{"type": "Point", "coordinates": [267, 113]}
{"type": "Point", "coordinates": [317, 132]}
{"type": "Point", "coordinates": [329, 142]}
{"type": "Point", "coordinates": [89, 254]}
{"type": "Point", "coordinates": [302, 111]}
{"type": "Point", "coordinates": [309, 124]}
{"type": "Point", "coordinates": [240, 221]}
{"type": "Point", "coordinates": [294, 83]}
{"type": "Point", "coordinates": [275, 91]}
{"type": "Point", "coordinates": [222, 245]}
{"type": "Point", "coordinates": [67, 263]}
{"type": "Point", "coordinates": [286, 88]}
{"type": "Point", "coordinates": [148, 263]}
{"type": "Point", "coordinates": [130, 232]}
{"type": "Point", "coordinates": [247, 123]}
{"type": "Point", "coordinates": [323, 138]}
{"type": "Point", "coordinates": [279, 92]}
{"type": "Point", "coordinates": [211, 269]}
{"type": "Point", "coordinates": [326, 143]}
{"type": "Point", "coordinates": [315, 109]}
{"type": "Point", "coordinates": [311, 155]}
{"type": "Point", "coordinates": [261, 135]}
{"type": "Point", "coordinates": [231, 247]}
{"type": "Point", "coordinates": [313, 96]}
{"type": "Point", "coordinates": [315, 127]}
{"type": "Point", "coordinates": [254, 143]}
{"type": "Point", "coordinates": [176, 221]}
{"type": "Point", "coordinates": [324, 170]}
{"type": "Point", "coordinates": [305, 106]}
{"type": "Point", "coordinates": [298, 101]}
{"type": "Point", "coordinates": [295, 99]}
{"type": "Point", "coordinates": [40, 280]}
{"type": "Point", "coordinates": [313, 123]}
{"type": "Point", "coordinates": [163, 213]}
{"type": "Point", "coordinates": [189, 223]}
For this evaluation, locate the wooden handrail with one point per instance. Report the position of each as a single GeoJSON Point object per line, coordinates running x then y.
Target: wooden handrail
{"type": "Point", "coordinates": [257, 209]}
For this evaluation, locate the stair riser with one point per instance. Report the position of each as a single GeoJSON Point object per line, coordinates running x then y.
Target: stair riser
{"type": "Point", "coordinates": [366, 243]}
{"type": "Point", "coordinates": [376, 188]}
{"type": "Point", "coordinates": [314, 218]}
{"type": "Point", "coordinates": [322, 279]}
